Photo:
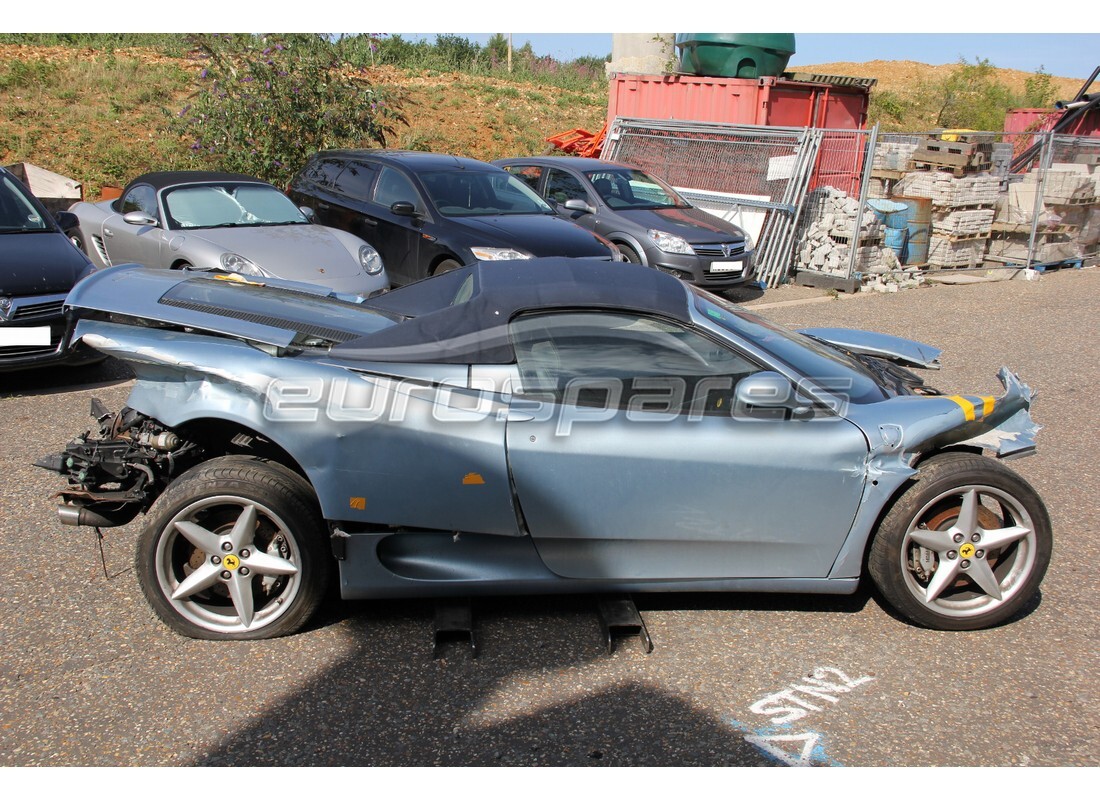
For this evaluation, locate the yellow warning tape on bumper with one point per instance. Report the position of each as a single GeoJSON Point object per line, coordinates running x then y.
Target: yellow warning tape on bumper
{"type": "Point", "coordinates": [965, 405]}
{"type": "Point", "coordinates": [970, 408]}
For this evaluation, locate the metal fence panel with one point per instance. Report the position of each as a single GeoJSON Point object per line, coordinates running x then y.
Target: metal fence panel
{"type": "Point", "coordinates": [839, 204]}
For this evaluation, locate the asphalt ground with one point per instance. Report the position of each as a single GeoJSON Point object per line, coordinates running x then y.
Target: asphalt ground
{"type": "Point", "coordinates": [89, 676]}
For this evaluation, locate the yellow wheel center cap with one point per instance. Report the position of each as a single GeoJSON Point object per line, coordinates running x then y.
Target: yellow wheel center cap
{"type": "Point", "coordinates": [232, 562]}
{"type": "Point", "coordinates": [966, 551]}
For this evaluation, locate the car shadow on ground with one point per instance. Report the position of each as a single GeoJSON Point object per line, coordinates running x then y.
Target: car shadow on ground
{"type": "Point", "coordinates": [61, 379]}
{"type": "Point", "coordinates": [525, 700]}
{"type": "Point", "coordinates": [741, 294]}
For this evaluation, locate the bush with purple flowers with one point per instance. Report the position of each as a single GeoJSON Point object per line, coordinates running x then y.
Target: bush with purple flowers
{"type": "Point", "coordinates": [264, 104]}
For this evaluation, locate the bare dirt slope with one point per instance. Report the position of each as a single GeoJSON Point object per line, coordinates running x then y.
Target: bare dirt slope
{"type": "Point", "coordinates": [99, 116]}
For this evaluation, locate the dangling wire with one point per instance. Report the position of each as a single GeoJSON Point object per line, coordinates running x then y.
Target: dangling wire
{"type": "Point", "coordinates": [102, 555]}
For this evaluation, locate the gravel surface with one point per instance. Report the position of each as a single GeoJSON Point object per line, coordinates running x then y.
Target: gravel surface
{"type": "Point", "coordinates": [90, 676]}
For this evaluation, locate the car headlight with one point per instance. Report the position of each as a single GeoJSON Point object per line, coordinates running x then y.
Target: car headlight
{"type": "Point", "coordinates": [499, 253]}
{"type": "Point", "coordinates": [371, 261]}
{"type": "Point", "coordinates": [231, 262]}
{"type": "Point", "coordinates": [748, 243]}
{"type": "Point", "coordinates": [671, 244]}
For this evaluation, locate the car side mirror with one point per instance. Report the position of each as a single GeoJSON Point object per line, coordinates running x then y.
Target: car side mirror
{"type": "Point", "coordinates": [139, 218]}
{"type": "Point", "coordinates": [579, 205]}
{"type": "Point", "coordinates": [403, 208]}
{"type": "Point", "coordinates": [308, 213]}
{"type": "Point", "coordinates": [769, 395]}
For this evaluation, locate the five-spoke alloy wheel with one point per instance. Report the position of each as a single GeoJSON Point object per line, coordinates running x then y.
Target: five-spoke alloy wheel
{"type": "Point", "coordinates": [965, 547]}
{"type": "Point", "coordinates": [234, 549]}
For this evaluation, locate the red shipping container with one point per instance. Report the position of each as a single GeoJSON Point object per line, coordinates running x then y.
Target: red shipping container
{"type": "Point", "coordinates": [777, 102]}
{"type": "Point", "coordinates": [738, 101]}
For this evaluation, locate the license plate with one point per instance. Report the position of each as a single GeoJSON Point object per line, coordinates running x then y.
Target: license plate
{"type": "Point", "coordinates": [726, 266]}
{"type": "Point", "coordinates": [38, 336]}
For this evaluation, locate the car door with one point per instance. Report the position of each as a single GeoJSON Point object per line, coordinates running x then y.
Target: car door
{"type": "Point", "coordinates": [140, 244]}
{"type": "Point", "coordinates": [398, 236]}
{"type": "Point", "coordinates": [628, 463]}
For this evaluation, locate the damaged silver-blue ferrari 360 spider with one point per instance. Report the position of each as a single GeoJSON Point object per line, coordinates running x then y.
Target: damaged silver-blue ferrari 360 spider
{"type": "Point", "coordinates": [541, 426]}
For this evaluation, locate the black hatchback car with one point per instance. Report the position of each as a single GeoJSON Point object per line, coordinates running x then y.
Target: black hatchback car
{"type": "Point", "coordinates": [38, 267]}
{"type": "Point", "coordinates": [646, 219]}
{"type": "Point", "coordinates": [428, 213]}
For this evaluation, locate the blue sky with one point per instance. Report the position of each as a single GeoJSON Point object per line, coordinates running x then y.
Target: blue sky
{"type": "Point", "coordinates": [1010, 34]}
{"type": "Point", "coordinates": [1066, 55]}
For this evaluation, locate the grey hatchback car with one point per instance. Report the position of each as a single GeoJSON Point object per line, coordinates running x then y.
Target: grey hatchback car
{"type": "Point", "coordinates": [649, 222]}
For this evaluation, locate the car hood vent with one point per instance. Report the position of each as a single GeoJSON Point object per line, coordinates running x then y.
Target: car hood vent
{"type": "Point", "coordinates": [320, 331]}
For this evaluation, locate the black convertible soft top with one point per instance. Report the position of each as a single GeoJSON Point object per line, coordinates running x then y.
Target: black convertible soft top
{"type": "Point", "coordinates": [162, 180]}
{"type": "Point", "coordinates": [461, 317]}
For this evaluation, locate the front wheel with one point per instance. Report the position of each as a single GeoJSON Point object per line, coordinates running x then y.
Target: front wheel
{"type": "Point", "coordinates": [234, 549]}
{"type": "Point", "coordinates": [630, 254]}
{"type": "Point", "coordinates": [446, 265]}
{"type": "Point", "coordinates": [965, 547]}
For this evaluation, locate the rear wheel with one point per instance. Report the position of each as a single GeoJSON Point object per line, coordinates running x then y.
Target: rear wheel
{"type": "Point", "coordinates": [965, 547]}
{"type": "Point", "coordinates": [234, 549]}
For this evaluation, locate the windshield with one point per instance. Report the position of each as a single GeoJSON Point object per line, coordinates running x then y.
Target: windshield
{"type": "Point", "coordinates": [827, 367]}
{"type": "Point", "coordinates": [17, 213]}
{"type": "Point", "coordinates": [229, 205]}
{"type": "Point", "coordinates": [634, 189]}
{"type": "Point", "coordinates": [462, 193]}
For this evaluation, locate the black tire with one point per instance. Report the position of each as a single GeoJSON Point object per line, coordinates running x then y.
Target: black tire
{"type": "Point", "coordinates": [446, 265]}
{"type": "Point", "coordinates": [965, 547]}
{"type": "Point", "coordinates": [77, 239]}
{"type": "Point", "coordinates": [630, 254]}
{"type": "Point", "coordinates": [282, 548]}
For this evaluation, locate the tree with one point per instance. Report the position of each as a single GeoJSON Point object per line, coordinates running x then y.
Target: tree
{"type": "Point", "coordinates": [264, 104]}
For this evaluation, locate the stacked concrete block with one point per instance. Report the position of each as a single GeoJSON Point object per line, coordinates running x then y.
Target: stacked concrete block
{"type": "Point", "coordinates": [1064, 185]}
{"type": "Point", "coordinates": [893, 155]}
{"type": "Point", "coordinates": [945, 253]}
{"type": "Point", "coordinates": [945, 190]}
{"type": "Point", "coordinates": [826, 244]}
{"type": "Point", "coordinates": [963, 223]}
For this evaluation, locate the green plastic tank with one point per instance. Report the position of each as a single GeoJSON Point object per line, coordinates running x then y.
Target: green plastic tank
{"type": "Point", "coordinates": [735, 55]}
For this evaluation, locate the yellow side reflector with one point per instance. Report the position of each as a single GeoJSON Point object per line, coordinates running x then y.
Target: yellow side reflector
{"type": "Point", "coordinates": [473, 479]}
{"type": "Point", "coordinates": [358, 503]}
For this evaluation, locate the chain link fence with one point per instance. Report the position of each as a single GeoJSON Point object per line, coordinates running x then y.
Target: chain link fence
{"type": "Point", "coordinates": [855, 206]}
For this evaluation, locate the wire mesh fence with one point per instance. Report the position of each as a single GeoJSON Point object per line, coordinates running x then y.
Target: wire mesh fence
{"type": "Point", "coordinates": [855, 204]}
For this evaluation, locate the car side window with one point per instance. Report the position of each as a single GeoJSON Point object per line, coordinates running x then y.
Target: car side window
{"type": "Point", "coordinates": [355, 180]}
{"type": "Point", "coordinates": [141, 198]}
{"type": "Point", "coordinates": [324, 172]}
{"type": "Point", "coordinates": [393, 187]}
{"type": "Point", "coordinates": [529, 174]}
{"type": "Point", "coordinates": [561, 186]}
{"type": "Point", "coordinates": [625, 361]}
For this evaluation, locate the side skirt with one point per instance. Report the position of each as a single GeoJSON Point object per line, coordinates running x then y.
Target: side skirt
{"type": "Point", "coordinates": [439, 564]}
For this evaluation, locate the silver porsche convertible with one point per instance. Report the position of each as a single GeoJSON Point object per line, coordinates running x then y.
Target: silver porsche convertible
{"type": "Point", "coordinates": [542, 426]}
{"type": "Point", "coordinates": [224, 222]}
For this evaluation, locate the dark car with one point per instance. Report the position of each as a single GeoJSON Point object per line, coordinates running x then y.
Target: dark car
{"type": "Point", "coordinates": [428, 213]}
{"type": "Point", "coordinates": [649, 222]}
{"type": "Point", "coordinates": [38, 267]}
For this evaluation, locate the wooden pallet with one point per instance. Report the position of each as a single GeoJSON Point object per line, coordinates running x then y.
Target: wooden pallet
{"type": "Point", "coordinates": [960, 237]}
{"type": "Point", "coordinates": [973, 205]}
{"type": "Point", "coordinates": [1069, 201]}
{"type": "Point", "coordinates": [1024, 227]}
{"type": "Point", "coordinates": [958, 172]}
